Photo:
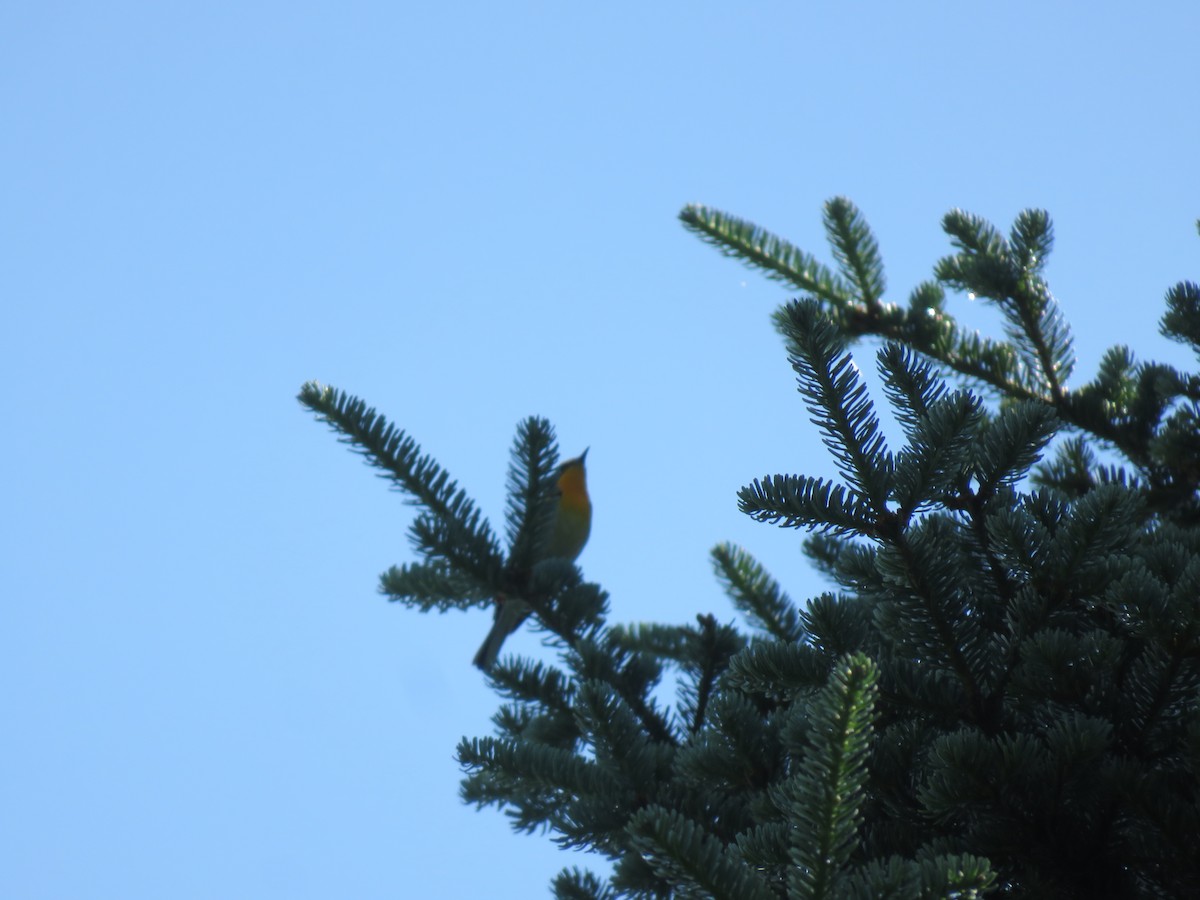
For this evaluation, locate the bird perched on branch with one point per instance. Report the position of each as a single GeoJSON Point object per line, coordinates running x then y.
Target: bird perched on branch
{"type": "Point", "coordinates": [568, 533]}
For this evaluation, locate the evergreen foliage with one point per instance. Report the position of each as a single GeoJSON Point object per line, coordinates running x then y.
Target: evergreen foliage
{"type": "Point", "coordinates": [1001, 697]}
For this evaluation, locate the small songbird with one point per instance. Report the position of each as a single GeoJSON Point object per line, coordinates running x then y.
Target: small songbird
{"type": "Point", "coordinates": [568, 533]}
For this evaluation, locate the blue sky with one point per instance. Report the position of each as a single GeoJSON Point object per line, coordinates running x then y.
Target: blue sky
{"type": "Point", "coordinates": [464, 213]}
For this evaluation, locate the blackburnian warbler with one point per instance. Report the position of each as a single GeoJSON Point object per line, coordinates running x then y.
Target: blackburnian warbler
{"type": "Point", "coordinates": [568, 533]}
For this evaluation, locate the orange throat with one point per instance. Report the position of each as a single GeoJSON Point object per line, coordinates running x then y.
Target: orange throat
{"type": "Point", "coordinates": [573, 485]}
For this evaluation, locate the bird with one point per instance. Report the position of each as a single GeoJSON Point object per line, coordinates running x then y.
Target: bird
{"type": "Point", "coordinates": [568, 533]}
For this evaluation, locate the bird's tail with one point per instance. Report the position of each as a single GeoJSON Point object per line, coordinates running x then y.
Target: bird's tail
{"type": "Point", "coordinates": [510, 613]}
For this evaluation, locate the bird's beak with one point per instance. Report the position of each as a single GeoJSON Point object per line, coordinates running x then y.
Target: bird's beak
{"type": "Point", "coordinates": [583, 456]}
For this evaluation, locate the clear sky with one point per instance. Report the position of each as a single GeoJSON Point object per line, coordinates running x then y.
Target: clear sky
{"type": "Point", "coordinates": [464, 213]}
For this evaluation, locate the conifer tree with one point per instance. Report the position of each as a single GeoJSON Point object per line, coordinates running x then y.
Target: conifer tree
{"type": "Point", "coordinates": [1002, 696]}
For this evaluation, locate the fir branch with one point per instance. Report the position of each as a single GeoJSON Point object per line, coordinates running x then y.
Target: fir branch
{"type": "Point", "coordinates": [634, 877]}
{"type": "Point", "coordinates": [1181, 321]}
{"type": "Point", "coordinates": [956, 877]}
{"type": "Point", "coordinates": [702, 655]}
{"type": "Point", "coordinates": [1045, 326]}
{"type": "Point", "coordinates": [530, 508]}
{"type": "Point", "coordinates": [825, 551]}
{"type": "Point", "coordinates": [433, 585]}
{"type": "Point", "coordinates": [498, 765]}
{"type": "Point", "coordinates": [618, 741]}
{"type": "Point", "coordinates": [661, 641]}
{"type": "Point", "coordinates": [535, 683]}
{"type": "Point", "coordinates": [398, 455]}
{"type": "Point", "coordinates": [931, 620]}
{"type": "Point", "coordinates": [778, 669]}
{"type": "Point", "coordinates": [893, 878]}
{"type": "Point", "coordinates": [980, 515]}
{"type": "Point", "coordinates": [1096, 532]}
{"type": "Point", "coordinates": [842, 625]}
{"type": "Point", "coordinates": [796, 501]}
{"type": "Point", "coordinates": [630, 674]}
{"type": "Point", "coordinates": [714, 647]}
{"type": "Point", "coordinates": [765, 846]}
{"type": "Point", "coordinates": [682, 853]}
{"type": "Point", "coordinates": [1032, 239]}
{"type": "Point", "coordinates": [1009, 444]}
{"type": "Point", "coordinates": [573, 884]}
{"type": "Point", "coordinates": [1115, 383]}
{"type": "Point", "coordinates": [471, 553]}
{"type": "Point", "coordinates": [825, 797]}
{"type": "Point", "coordinates": [1071, 470]}
{"type": "Point", "coordinates": [550, 728]}
{"type": "Point", "coordinates": [534, 780]}
{"type": "Point", "coordinates": [1161, 674]}
{"type": "Point", "coordinates": [755, 593]}
{"type": "Point", "coordinates": [569, 609]}
{"type": "Point", "coordinates": [910, 384]}
{"type": "Point", "coordinates": [973, 234]}
{"type": "Point", "coordinates": [566, 606]}
{"type": "Point", "coordinates": [992, 363]}
{"type": "Point", "coordinates": [856, 251]}
{"type": "Point", "coordinates": [838, 400]}
{"type": "Point", "coordinates": [930, 469]}
{"type": "Point", "coordinates": [733, 757]}
{"type": "Point", "coordinates": [452, 532]}
{"type": "Point", "coordinates": [756, 247]}
{"type": "Point", "coordinates": [1009, 274]}
{"type": "Point", "coordinates": [965, 768]}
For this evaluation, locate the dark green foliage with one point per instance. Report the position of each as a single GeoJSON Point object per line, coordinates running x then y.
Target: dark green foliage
{"type": "Point", "coordinates": [1003, 695]}
{"type": "Point", "coordinates": [1182, 320]}
{"type": "Point", "coordinates": [855, 250]}
{"type": "Point", "coordinates": [1008, 272]}
{"type": "Point", "coordinates": [837, 399]}
{"type": "Point", "coordinates": [572, 884]}
{"type": "Point", "coordinates": [685, 855]}
{"type": "Point", "coordinates": [774, 256]}
{"type": "Point", "coordinates": [450, 533]}
{"type": "Point", "coordinates": [530, 509]}
{"type": "Point", "coordinates": [823, 800]}
{"type": "Point", "coordinates": [808, 502]}
{"type": "Point", "coordinates": [756, 594]}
